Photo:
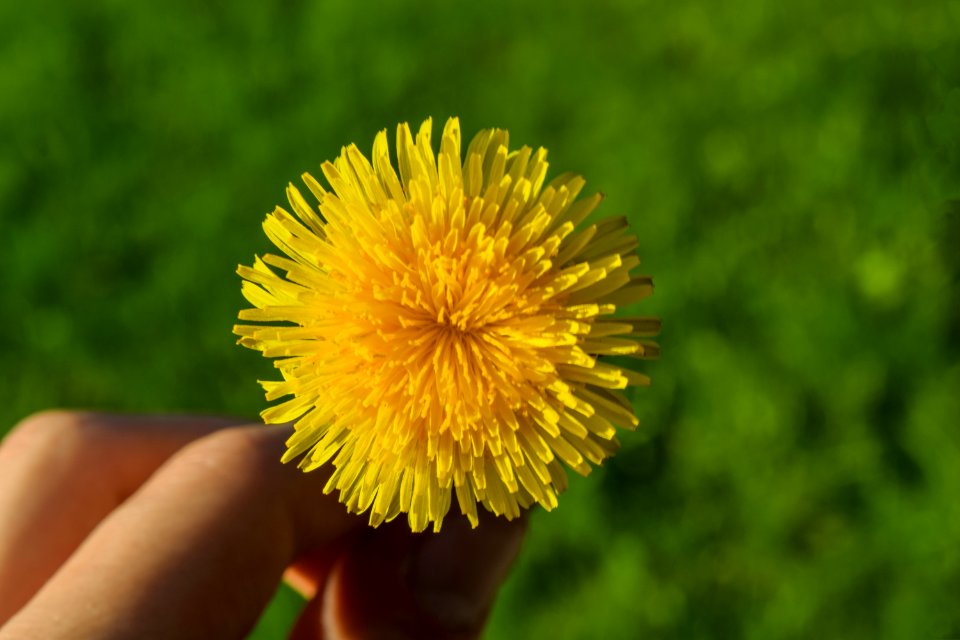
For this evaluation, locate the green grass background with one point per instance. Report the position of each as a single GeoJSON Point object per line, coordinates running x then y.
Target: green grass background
{"type": "Point", "coordinates": [789, 167]}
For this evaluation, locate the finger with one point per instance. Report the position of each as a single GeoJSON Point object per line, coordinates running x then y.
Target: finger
{"type": "Point", "coordinates": [310, 571]}
{"type": "Point", "coordinates": [197, 552]}
{"type": "Point", "coordinates": [61, 473]}
{"type": "Point", "coordinates": [396, 584]}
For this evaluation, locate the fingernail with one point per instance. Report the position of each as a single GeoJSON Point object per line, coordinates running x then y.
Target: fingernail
{"type": "Point", "coordinates": [456, 573]}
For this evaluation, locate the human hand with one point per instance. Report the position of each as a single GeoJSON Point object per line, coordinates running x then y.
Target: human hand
{"type": "Point", "coordinates": [177, 527]}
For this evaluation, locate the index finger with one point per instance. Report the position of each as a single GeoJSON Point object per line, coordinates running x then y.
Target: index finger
{"type": "Point", "coordinates": [62, 472]}
{"type": "Point", "coordinates": [197, 552]}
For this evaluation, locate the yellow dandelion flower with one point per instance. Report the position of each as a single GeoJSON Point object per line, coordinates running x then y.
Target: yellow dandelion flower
{"type": "Point", "coordinates": [444, 330]}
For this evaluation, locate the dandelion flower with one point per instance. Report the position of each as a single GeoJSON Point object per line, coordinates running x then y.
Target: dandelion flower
{"type": "Point", "coordinates": [445, 328]}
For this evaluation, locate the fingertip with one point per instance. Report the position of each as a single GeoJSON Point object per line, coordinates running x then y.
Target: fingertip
{"type": "Point", "coordinates": [310, 571]}
{"type": "Point", "coordinates": [396, 584]}
{"type": "Point", "coordinates": [456, 575]}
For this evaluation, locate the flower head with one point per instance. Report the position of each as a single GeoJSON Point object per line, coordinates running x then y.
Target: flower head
{"type": "Point", "coordinates": [444, 330]}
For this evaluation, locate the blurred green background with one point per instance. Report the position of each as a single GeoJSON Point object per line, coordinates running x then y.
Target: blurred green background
{"type": "Point", "coordinates": [790, 168]}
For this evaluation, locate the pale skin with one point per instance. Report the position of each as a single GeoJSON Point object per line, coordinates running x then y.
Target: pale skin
{"type": "Point", "coordinates": [180, 527]}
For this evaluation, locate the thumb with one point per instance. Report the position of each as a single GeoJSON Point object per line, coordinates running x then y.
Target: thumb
{"type": "Point", "coordinates": [396, 584]}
